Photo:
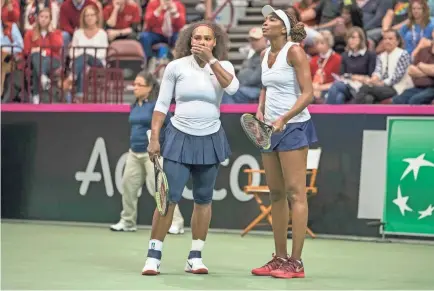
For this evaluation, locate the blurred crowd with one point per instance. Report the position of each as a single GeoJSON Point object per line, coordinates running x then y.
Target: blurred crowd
{"type": "Point", "coordinates": [360, 51]}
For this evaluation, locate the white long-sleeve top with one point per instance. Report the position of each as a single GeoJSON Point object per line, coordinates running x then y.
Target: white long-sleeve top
{"type": "Point", "coordinates": [100, 40]}
{"type": "Point", "coordinates": [197, 94]}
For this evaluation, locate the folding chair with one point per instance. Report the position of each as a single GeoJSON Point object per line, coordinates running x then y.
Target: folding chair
{"type": "Point", "coordinates": [257, 191]}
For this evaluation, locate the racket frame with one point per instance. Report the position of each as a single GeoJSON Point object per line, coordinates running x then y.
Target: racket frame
{"type": "Point", "coordinates": [270, 130]}
{"type": "Point", "coordinates": [159, 173]}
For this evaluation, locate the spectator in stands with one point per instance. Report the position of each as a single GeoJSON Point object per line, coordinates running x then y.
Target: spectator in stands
{"type": "Point", "coordinates": [34, 6]}
{"type": "Point", "coordinates": [11, 43]}
{"type": "Point", "coordinates": [69, 17]}
{"type": "Point", "coordinates": [419, 25]}
{"type": "Point", "coordinates": [43, 44]}
{"type": "Point", "coordinates": [163, 21]}
{"type": "Point", "coordinates": [422, 74]}
{"type": "Point", "coordinates": [10, 11]}
{"type": "Point", "coordinates": [352, 16]}
{"type": "Point", "coordinates": [373, 13]}
{"type": "Point", "coordinates": [357, 64]}
{"type": "Point", "coordinates": [390, 76]}
{"type": "Point", "coordinates": [94, 38]}
{"type": "Point", "coordinates": [304, 5]}
{"type": "Point", "coordinates": [323, 65]}
{"type": "Point", "coordinates": [250, 72]}
{"type": "Point", "coordinates": [394, 19]}
{"type": "Point", "coordinates": [311, 33]}
{"type": "Point", "coordinates": [122, 19]}
{"type": "Point", "coordinates": [323, 13]}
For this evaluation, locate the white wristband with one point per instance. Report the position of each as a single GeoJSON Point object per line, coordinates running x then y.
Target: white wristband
{"type": "Point", "coordinates": [212, 61]}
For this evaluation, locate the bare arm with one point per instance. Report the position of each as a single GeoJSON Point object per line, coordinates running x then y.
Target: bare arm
{"type": "Point", "coordinates": [225, 74]}
{"type": "Point", "coordinates": [415, 72]}
{"type": "Point", "coordinates": [427, 69]}
{"type": "Point", "coordinates": [297, 57]}
{"type": "Point", "coordinates": [308, 14]}
{"type": "Point", "coordinates": [157, 122]}
{"type": "Point", "coordinates": [387, 20]}
{"type": "Point", "coordinates": [261, 105]}
{"type": "Point", "coordinates": [113, 16]}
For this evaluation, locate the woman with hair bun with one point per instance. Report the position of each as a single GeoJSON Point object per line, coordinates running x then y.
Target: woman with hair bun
{"type": "Point", "coordinates": [287, 91]}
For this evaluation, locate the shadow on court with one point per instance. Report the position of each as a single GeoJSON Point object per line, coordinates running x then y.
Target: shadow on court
{"type": "Point", "coordinates": [36, 256]}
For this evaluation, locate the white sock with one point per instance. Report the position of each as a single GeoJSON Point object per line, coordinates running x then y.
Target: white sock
{"type": "Point", "coordinates": [197, 245]}
{"type": "Point", "coordinates": [155, 244]}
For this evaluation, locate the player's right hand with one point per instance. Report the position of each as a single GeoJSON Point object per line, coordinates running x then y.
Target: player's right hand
{"type": "Point", "coordinates": [154, 149]}
{"type": "Point", "coordinates": [260, 115]}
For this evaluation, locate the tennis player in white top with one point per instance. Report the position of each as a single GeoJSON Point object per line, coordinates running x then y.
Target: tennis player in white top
{"type": "Point", "coordinates": [287, 91]}
{"type": "Point", "coordinates": [195, 143]}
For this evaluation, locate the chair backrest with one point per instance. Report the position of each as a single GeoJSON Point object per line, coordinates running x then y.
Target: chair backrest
{"type": "Point", "coordinates": [313, 157]}
{"type": "Point", "coordinates": [126, 49]}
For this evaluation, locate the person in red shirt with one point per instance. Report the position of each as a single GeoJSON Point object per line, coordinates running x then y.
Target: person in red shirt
{"type": "Point", "coordinates": [69, 17]}
{"type": "Point", "coordinates": [43, 44]}
{"type": "Point", "coordinates": [122, 19]}
{"type": "Point", "coordinates": [10, 11]}
{"type": "Point", "coordinates": [163, 21]}
{"type": "Point", "coordinates": [324, 65]}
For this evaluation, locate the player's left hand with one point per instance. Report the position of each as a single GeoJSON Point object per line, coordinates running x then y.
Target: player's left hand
{"type": "Point", "coordinates": [203, 52]}
{"type": "Point", "coordinates": [279, 125]}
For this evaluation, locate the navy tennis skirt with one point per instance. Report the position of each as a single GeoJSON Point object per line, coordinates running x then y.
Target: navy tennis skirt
{"type": "Point", "coordinates": [295, 136]}
{"type": "Point", "coordinates": [195, 150]}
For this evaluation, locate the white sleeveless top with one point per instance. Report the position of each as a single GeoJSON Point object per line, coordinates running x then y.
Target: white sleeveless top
{"type": "Point", "coordinates": [282, 89]}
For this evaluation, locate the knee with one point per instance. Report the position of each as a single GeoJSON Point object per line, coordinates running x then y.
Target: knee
{"type": "Point", "coordinates": [203, 196]}
{"type": "Point", "coordinates": [296, 193]}
{"type": "Point", "coordinates": [277, 195]}
{"type": "Point", "coordinates": [145, 37]}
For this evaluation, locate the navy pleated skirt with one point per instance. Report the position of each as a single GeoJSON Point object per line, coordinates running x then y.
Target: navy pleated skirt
{"type": "Point", "coordinates": [295, 136]}
{"type": "Point", "coordinates": [195, 150]}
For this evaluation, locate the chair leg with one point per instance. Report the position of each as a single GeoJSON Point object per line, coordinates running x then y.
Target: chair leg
{"type": "Point", "coordinates": [310, 232]}
{"type": "Point", "coordinates": [256, 221]}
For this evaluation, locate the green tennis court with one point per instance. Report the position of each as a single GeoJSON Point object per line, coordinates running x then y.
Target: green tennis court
{"type": "Point", "coordinates": [38, 256]}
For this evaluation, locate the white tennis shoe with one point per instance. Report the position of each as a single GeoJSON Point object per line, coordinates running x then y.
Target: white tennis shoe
{"type": "Point", "coordinates": [152, 267]}
{"type": "Point", "coordinates": [196, 266]}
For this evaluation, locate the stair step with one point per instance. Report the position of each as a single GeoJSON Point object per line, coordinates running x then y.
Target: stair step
{"type": "Point", "coordinates": [242, 29]}
{"type": "Point", "coordinates": [254, 11]}
{"type": "Point", "coordinates": [234, 56]}
{"type": "Point", "coordinates": [237, 45]}
{"type": "Point", "coordinates": [251, 20]}
{"type": "Point", "coordinates": [278, 4]}
{"type": "Point", "coordinates": [189, 2]}
{"type": "Point", "coordinates": [238, 37]}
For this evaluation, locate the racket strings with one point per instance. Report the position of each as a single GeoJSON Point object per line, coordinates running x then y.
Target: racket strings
{"type": "Point", "coordinates": [256, 131]}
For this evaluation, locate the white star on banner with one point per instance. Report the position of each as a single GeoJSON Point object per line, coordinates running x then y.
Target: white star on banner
{"type": "Point", "coordinates": [401, 202]}
{"type": "Point", "coordinates": [426, 212]}
{"type": "Point", "coordinates": [414, 165]}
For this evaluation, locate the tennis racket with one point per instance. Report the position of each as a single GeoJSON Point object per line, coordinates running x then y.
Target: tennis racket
{"type": "Point", "coordinates": [257, 131]}
{"type": "Point", "coordinates": [161, 188]}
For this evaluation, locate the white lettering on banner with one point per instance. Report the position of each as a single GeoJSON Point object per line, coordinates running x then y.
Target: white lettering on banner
{"type": "Point", "coordinates": [235, 171]}
{"type": "Point", "coordinates": [99, 150]}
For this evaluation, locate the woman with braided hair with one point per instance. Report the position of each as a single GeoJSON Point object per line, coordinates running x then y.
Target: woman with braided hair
{"type": "Point", "coordinates": [287, 91]}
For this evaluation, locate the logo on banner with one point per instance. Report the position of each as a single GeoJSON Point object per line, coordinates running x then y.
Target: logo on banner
{"type": "Point", "coordinates": [412, 187]}
{"type": "Point", "coordinates": [409, 203]}
{"type": "Point", "coordinates": [99, 153]}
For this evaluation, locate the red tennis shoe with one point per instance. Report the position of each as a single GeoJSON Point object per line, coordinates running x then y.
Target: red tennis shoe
{"type": "Point", "coordinates": [266, 269]}
{"type": "Point", "coordinates": [290, 268]}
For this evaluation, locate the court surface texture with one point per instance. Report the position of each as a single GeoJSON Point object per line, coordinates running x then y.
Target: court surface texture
{"type": "Point", "coordinates": [44, 256]}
